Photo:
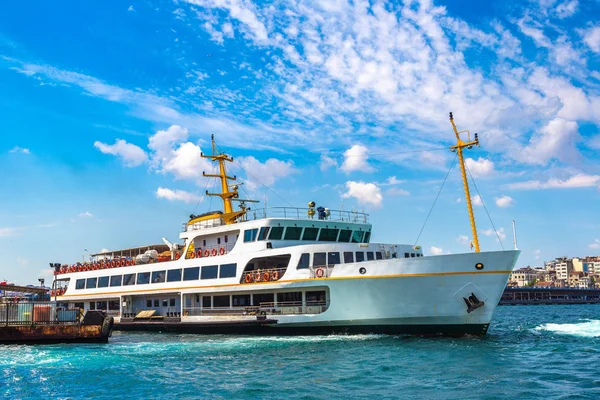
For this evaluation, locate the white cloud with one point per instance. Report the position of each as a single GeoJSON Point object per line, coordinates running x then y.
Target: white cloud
{"type": "Point", "coordinates": [10, 231]}
{"type": "Point", "coordinates": [591, 37]}
{"type": "Point", "coordinates": [462, 239]}
{"type": "Point", "coordinates": [575, 181]}
{"type": "Point", "coordinates": [365, 193]}
{"type": "Point", "coordinates": [266, 173]}
{"type": "Point", "coordinates": [393, 181]}
{"type": "Point", "coordinates": [394, 191]}
{"type": "Point", "coordinates": [103, 250]}
{"type": "Point", "coordinates": [558, 139]}
{"type": "Point", "coordinates": [504, 201]}
{"type": "Point", "coordinates": [567, 8]}
{"type": "Point", "coordinates": [595, 244]}
{"type": "Point", "coordinates": [490, 232]}
{"type": "Point", "coordinates": [476, 200]}
{"type": "Point", "coordinates": [176, 195]}
{"type": "Point", "coordinates": [131, 8]}
{"type": "Point", "coordinates": [21, 150]}
{"type": "Point", "coordinates": [130, 154]}
{"type": "Point", "coordinates": [355, 159]}
{"type": "Point", "coordinates": [537, 253]}
{"type": "Point", "coordinates": [327, 162]}
{"type": "Point", "coordinates": [436, 251]}
{"type": "Point", "coordinates": [86, 214]}
{"type": "Point", "coordinates": [480, 168]}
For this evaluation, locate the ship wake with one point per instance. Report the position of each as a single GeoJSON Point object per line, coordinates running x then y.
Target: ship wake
{"type": "Point", "coordinates": [588, 328]}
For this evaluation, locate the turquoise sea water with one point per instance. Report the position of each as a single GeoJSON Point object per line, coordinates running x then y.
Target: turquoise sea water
{"type": "Point", "coordinates": [531, 352]}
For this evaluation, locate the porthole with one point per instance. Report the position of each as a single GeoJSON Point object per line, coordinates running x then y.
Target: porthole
{"type": "Point", "coordinates": [362, 270]}
{"type": "Point", "coordinates": [479, 266]}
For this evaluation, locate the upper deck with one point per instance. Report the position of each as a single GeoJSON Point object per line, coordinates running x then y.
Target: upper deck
{"type": "Point", "coordinates": [293, 213]}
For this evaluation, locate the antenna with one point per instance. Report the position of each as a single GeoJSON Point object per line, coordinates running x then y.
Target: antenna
{"type": "Point", "coordinates": [514, 234]}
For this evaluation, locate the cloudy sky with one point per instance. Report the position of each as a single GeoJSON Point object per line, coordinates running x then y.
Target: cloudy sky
{"type": "Point", "coordinates": [105, 109]}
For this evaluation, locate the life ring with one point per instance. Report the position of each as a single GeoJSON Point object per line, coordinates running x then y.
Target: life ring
{"type": "Point", "coordinates": [52, 293]}
{"type": "Point", "coordinates": [249, 278]}
{"type": "Point", "coordinates": [177, 255]}
{"type": "Point", "coordinates": [275, 275]}
{"type": "Point", "coordinates": [213, 252]}
{"type": "Point", "coordinates": [266, 277]}
{"type": "Point", "coordinates": [206, 253]}
{"type": "Point", "coordinates": [94, 267]}
{"type": "Point", "coordinates": [319, 272]}
{"type": "Point", "coordinates": [113, 263]}
{"type": "Point", "coordinates": [222, 250]}
{"type": "Point", "coordinates": [199, 253]}
{"type": "Point", "coordinates": [257, 276]}
{"type": "Point", "coordinates": [192, 254]}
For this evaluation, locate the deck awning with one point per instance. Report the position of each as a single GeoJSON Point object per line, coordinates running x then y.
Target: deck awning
{"type": "Point", "coordinates": [23, 289]}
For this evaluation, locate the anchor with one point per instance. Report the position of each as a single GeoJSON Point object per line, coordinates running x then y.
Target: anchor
{"type": "Point", "coordinates": [473, 303]}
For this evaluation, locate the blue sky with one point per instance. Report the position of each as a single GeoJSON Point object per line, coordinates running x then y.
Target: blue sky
{"type": "Point", "coordinates": [106, 107]}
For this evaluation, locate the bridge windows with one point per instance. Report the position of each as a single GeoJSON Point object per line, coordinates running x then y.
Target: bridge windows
{"type": "Point", "coordinates": [310, 233]}
{"type": "Point", "coordinates": [250, 235]}
{"type": "Point", "coordinates": [345, 235]}
{"type": "Point", "coordinates": [264, 231]}
{"type": "Point", "coordinates": [357, 236]}
{"type": "Point", "coordinates": [276, 233]}
{"type": "Point", "coordinates": [292, 233]}
{"type": "Point", "coordinates": [328, 235]}
{"type": "Point", "coordinates": [367, 238]}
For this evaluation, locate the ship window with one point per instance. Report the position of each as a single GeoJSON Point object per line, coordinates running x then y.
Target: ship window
{"type": "Point", "coordinates": [293, 233]}
{"type": "Point", "coordinates": [250, 235]}
{"type": "Point", "coordinates": [263, 299]}
{"type": "Point", "coordinates": [241, 300]}
{"type": "Point", "coordinates": [90, 283]}
{"type": "Point", "coordinates": [174, 275]}
{"type": "Point", "coordinates": [165, 302]}
{"type": "Point", "coordinates": [171, 302]}
{"type": "Point", "coordinates": [148, 303]}
{"type": "Point", "coordinates": [319, 259]}
{"type": "Point", "coordinates": [357, 236]}
{"type": "Point", "coordinates": [348, 257]}
{"type": "Point", "coordinates": [333, 258]}
{"type": "Point", "coordinates": [206, 301]}
{"type": "Point", "coordinates": [156, 303]}
{"type": "Point", "coordinates": [289, 299]}
{"type": "Point", "coordinates": [80, 284]}
{"type": "Point", "coordinates": [191, 274]}
{"type": "Point", "coordinates": [328, 235]}
{"type": "Point", "coordinates": [113, 305]}
{"type": "Point", "coordinates": [226, 238]}
{"type": "Point", "coordinates": [264, 231]}
{"type": "Point", "coordinates": [378, 255]}
{"type": "Point", "coordinates": [221, 301]}
{"type": "Point", "coordinates": [227, 270]}
{"type": "Point", "coordinates": [101, 305]}
{"type": "Point", "coordinates": [158, 276]}
{"type": "Point", "coordinates": [406, 255]}
{"type": "Point", "coordinates": [116, 280]}
{"type": "Point", "coordinates": [304, 261]}
{"type": "Point", "coordinates": [412, 254]}
{"type": "Point", "coordinates": [143, 278]}
{"type": "Point", "coordinates": [360, 256]}
{"type": "Point", "coordinates": [310, 233]}
{"type": "Point", "coordinates": [204, 243]}
{"type": "Point", "coordinates": [128, 279]}
{"type": "Point", "coordinates": [219, 240]}
{"type": "Point", "coordinates": [209, 272]}
{"type": "Point", "coordinates": [345, 235]}
{"type": "Point", "coordinates": [370, 256]}
{"type": "Point", "coordinates": [92, 305]}
{"type": "Point", "coordinates": [276, 232]}
{"type": "Point", "coordinates": [79, 305]}
{"type": "Point", "coordinates": [316, 298]}
{"type": "Point", "coordinates": [103, 281]}
{"type": "Point", "coordinates": [367, 237]}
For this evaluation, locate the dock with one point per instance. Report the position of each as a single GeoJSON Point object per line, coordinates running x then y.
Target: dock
{"type": "Point", "coordinates": [539, 296]}
{"type": "Point", "coordinates": [41, 322]}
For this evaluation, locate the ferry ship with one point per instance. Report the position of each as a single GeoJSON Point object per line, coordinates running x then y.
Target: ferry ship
{"type": "Point", "coordinates": [289, 271]}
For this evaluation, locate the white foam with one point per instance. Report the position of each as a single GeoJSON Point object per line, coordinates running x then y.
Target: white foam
{"type": "Point", "coordinates": [589, 328]}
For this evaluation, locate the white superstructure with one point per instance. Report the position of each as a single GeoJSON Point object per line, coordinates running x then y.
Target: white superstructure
{"type": "Point", "coordinates": [291, 271]}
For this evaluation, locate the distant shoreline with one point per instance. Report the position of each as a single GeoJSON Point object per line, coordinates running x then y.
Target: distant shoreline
{"type": "Point", "coordinates": [549, 296]}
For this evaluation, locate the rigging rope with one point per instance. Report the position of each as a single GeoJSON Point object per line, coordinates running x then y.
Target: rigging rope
{"type": "Point", "coordinates": [436, 199]}
{"type": "Point", "coordinates": [484, 207]}
{"type": "Point", "coordinates": [204, 191]}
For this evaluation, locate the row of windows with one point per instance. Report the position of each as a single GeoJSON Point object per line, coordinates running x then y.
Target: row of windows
{"type": "Point", "coordinates": [333, 257]}
{"type": "Point", "coordinates": [172, 275]}
{"type": "Point", "coordinates": [309, 234]}
{"type": "Point", "coordinates": [243, 300]}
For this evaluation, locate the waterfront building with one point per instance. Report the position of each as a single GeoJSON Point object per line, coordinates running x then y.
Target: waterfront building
{"type": "Point", "coordinates": [526, 276]}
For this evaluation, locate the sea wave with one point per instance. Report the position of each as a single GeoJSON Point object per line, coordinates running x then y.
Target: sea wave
{"type": "Point", "coordinates": [588, 328]}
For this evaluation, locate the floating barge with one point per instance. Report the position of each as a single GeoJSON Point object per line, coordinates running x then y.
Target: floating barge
{"type": "Point", "coordinates": [538, 296]}
{"type": "Point", "coordinates": [24, 321]}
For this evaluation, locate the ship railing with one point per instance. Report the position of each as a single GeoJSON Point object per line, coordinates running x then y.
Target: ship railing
{"type": "Point", "coordinates": [213, 251]}
{"type": "Point", "coordinates": [211, 223]}
{"type": "Point", "coordinates": [33, 313]}
{"type": "Point", "coordinates": [263, 275]}
{"type": "Point", "coordinates": [308, 214]}
{"type": "Point", "coordinates": [265, 308]}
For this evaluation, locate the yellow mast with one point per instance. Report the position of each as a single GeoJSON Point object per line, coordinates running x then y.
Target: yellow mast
{"type": "Point", "coordinates": [229, 216]}
{"type": "Point", "coordinates": [458, 147]}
